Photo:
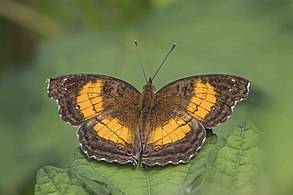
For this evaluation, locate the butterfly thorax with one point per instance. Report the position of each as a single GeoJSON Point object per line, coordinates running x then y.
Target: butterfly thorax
{"type": "Point", "coordinates": [147, 97]}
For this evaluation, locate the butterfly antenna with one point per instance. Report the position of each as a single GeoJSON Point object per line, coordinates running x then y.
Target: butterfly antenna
{"type": "Point", "coordinates": [141, 64]}
{"type": "Point", "coordinates": [174, 45]}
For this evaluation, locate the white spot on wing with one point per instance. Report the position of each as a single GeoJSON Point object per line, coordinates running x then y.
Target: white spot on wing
{"type": "Point", "coordinates": [48, 84]}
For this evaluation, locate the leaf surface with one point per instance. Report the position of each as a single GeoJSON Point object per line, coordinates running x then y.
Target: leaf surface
{"type": "Point", "coordinates": [227, 164]}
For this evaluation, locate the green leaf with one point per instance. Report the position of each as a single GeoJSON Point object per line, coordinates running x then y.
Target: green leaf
{"type": "Point", "coordinates": [125, 179]}
{"type": "Point", "coordinates": [238, 164]}
{"type": "Point", "coordinates": [227, 164]}
{"type": "Point", "coordinates": [51, 180]}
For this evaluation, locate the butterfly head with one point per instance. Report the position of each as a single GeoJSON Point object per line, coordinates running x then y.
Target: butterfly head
{"type": "Point", "coordinates": [149, 86]}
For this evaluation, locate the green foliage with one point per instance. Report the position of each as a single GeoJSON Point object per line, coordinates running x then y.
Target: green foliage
{"type": "Point", "coordinates": [229, 164]}
{"type": "Point", "coordinates": [251, 38]}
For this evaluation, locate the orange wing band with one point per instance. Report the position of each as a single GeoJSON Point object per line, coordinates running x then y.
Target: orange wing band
{"type": "Point", "coordinates": [111, 129]}
{"type": "Point", "coordinates": [173, 130]}
{"type": "Point", "coordinates": [204, 98]}
{"type": "Point", "coordinates": [90, 99]}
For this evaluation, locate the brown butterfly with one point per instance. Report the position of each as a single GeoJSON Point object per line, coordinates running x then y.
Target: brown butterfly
{"type": "Point", "coordinates": [117, 123]}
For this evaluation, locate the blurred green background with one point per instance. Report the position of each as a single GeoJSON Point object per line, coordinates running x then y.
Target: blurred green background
{"type": "Point", "coordinates": [40, 39]}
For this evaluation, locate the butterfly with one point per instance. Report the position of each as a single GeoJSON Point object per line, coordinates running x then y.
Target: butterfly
{"type": "Point", "coordinates": [117, 123]}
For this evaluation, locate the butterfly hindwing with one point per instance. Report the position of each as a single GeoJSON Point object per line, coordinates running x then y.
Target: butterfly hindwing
{"type": "Point", "coordinates": [111, 137]}
{"type": "Point", "coordinates": [175, 137]}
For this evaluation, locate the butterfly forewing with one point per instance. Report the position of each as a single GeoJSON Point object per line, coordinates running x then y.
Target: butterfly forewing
{"type": "Point", "coordinates": [208, 98]}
